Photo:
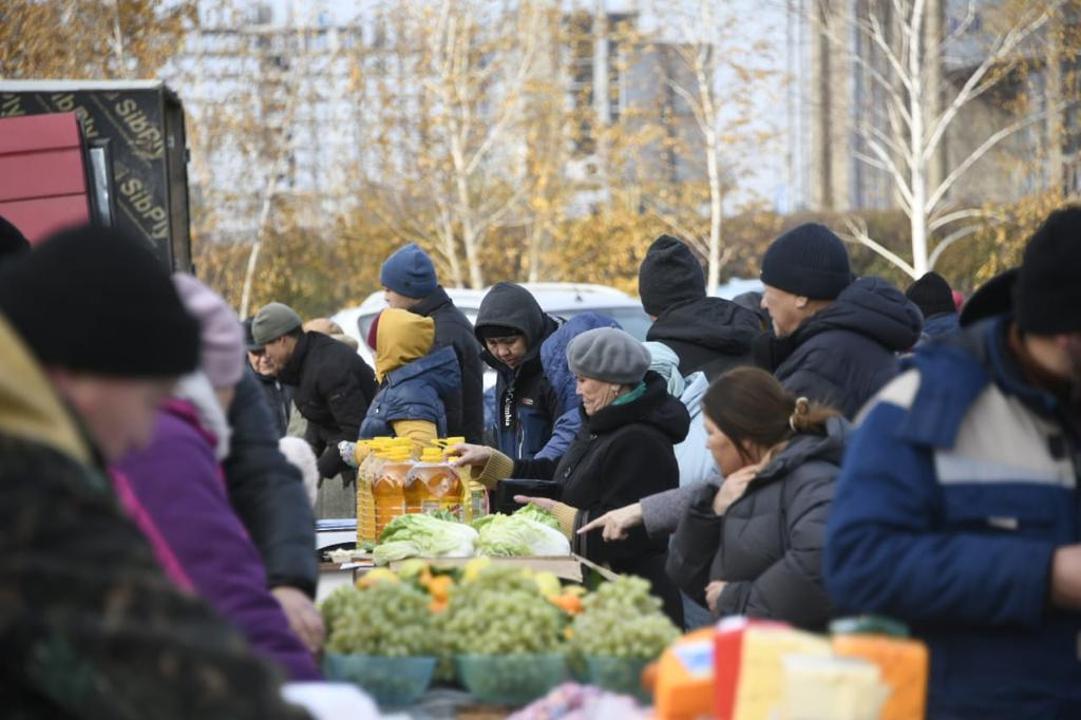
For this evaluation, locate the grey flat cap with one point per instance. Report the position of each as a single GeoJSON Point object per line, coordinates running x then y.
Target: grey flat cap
{"type": "Point", "coordinates": [272, 321]}
{"type": "Point", "coordinates": [608, 355]}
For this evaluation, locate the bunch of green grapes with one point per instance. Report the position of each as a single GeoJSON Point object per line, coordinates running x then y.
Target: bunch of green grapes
{"type": "Point", "coordinates": [338, 603]}
{"type": "Point", "coordinates": [622, 619]}
{"type": "Point", "coordinates": [501, 612]}
{"type": "Point", "coordinates": [503, 578]}
{"type": "Point", "coordinates": [628, 594]}
{"type": "Point", "coordinates": [387, 619]}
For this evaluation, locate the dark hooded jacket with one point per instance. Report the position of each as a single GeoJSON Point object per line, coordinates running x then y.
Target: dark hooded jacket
{"type": "Point", "coordinates": [709, 334]}
{"type": "Point", "coordinates": [526, 404]}
{"type": "Point", "coordinates": [333, 389]}
{"type": "Point", "coordinates": [768, 545]}
{"type": "Point", "coordinates": [844, 354]}
{"type": "Point", "coordinates": [465, 409]}
{"type": "Point", "coordinates": [622, 454]}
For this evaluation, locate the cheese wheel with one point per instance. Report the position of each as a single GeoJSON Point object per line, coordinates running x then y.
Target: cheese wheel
{"type": "Point", "coordinates": [904, 666]}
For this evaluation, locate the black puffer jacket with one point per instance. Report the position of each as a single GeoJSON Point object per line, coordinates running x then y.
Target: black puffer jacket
{"type": "Point", "coordinates": [465, 410]}
{"type": "Point", "coordinates": [622, 454]}
{"type": "Point", "coordinates": [846, 353]}
{"type": "Point", "coordinates": [708, 334]}
{"type": "Point", "coordinates": [333, 389]}
{"type": "Point", "coordinates": [268, 493]}
{"type": "Point", "coordinates": [768, 545]}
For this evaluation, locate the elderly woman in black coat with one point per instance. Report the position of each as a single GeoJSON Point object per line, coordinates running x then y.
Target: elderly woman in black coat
{"type": "Point", "coordinates": [623, 452]}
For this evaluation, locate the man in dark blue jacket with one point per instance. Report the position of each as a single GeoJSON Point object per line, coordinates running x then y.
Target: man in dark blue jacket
{"type": "Point", "coordinates": [835, 340]}
{"type": "Point", "coordinates": [410, 282]}
{"type": "Point", "coordinates": [957, 509]}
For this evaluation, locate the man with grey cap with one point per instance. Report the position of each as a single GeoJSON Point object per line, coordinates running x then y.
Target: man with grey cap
{"type": "Point", "coordinates": [333, 384]}
{"type": "Point", "coordinates": [623, 452]}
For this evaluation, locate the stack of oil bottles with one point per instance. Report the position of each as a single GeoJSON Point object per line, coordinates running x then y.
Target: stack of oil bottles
{"type": "Point", "coordinates": [396, 476]}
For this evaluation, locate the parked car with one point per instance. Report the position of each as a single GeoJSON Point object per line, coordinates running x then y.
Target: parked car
{"type": "Point", "coordinates": [563, 300]}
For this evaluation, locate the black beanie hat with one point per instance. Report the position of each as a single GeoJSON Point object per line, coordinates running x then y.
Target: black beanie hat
{"type": "Point", "coordinates": [12, 242]}
{"type": "Point", "coordinates": [994, 297]}
{"type": "Point", "coordinates": [670, 275]}
{"type": "Point", "coordinates": [96, 300]}
{"type": "Point", "coordinates": [932, 295]}
{"type": "Point", "coordinates": [1047, 297]}
{"type": "Point", "coordinates": [808, 260]}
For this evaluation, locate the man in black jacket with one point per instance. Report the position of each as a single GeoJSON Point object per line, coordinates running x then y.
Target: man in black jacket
{"type": "Point", "coordinates": [708, 334]}
{"type": "Point", "coordinates": [333, 385]}
{"type": "Point", "coordinates": [279, 397]}
{"type": "Point", "coordinates": [409, 278]}
{"type": "Point", "coordinates": [835, 339]}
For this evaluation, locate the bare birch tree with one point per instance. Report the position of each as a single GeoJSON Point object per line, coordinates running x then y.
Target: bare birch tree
{"type": "Point", "coordinates": [451, 167]}
{"type": "Point", "coordinates": [919, 113]}
{"type": "Point", "coordinates": [718, 72]}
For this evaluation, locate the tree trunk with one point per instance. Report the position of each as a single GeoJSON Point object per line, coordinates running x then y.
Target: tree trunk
{"type": "Point", "coordinates": [465, 215]}
{"type": "Point", "coordinates": [933, 38]}
{"type": "Point", "coordinates": [450, 249]}
{"type": "Point", "coordinates": [1056, 91]}
{"type": "Point", "coordinates": [472, 256]}
{"type": "Point", "coordinates": [257, 245]}
{"type": "Point", "coordinates": [536, 239]}
{"type": "Point", "coordinates": [716, 210]}
{"type": "Point", "coordinates": [821, 126]}
{"type": "Point", "coordinates": [918, 165]}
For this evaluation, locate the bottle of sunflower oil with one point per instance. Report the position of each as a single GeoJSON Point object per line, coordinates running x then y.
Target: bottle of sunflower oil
{"type": "Point", "coordinates": [389, 486]}
{"type": "Point", "coordinates": [417, 496]}
{"type": "Point", "coordinates": [443, 487]}
{"type": "Point", "coordinates": [474, 495]}
{"type": "Point", "coordinates": [365, 498]}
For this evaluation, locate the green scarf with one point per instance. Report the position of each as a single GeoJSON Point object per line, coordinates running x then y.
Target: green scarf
{"type": "Point", "coordinates": [633, 395]}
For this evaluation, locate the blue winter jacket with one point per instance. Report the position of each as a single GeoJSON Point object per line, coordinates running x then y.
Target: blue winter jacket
{"type": "Point", "coordinates": [845, 353]}
{"type": "Point", "coordinates": [696, 463]}
{"type": "Point", "coordinates": [415, 391]}
{"type": "Point", "coordinates": [941, 325]}
{"type": "Point", "coordinates": [553, 355]}
{"type": "Point", "coordinates": [955, 492]}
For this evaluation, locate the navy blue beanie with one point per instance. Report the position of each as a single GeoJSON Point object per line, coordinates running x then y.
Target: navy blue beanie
{"type": "Point", "coordinates": [808, 260]}
{"type": "Point", "coordinates": [410, 272]}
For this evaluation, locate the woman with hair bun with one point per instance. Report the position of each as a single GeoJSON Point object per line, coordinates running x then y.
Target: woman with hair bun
{"type": "Point", "coordinates": [753, 546]}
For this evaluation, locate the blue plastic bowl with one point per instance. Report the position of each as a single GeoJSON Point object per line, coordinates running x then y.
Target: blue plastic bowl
{"type": "Point", "coordinates": [392, 681]}
{"type": "Point", "coordinates": [619, 675]}
{"type": "Point", "coordinates": [513, 680]}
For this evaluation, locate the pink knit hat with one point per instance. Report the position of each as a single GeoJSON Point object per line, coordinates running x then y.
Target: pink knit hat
{"type": "Point", "coordinates": [222, 336]}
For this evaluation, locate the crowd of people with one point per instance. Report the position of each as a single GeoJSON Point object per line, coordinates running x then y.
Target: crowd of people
{"type": "Point", "coordinates": [831, 446]}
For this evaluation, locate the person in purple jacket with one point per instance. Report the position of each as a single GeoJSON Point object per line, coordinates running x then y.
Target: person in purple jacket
{"type": "Point", "coordinates": [177, 486]}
